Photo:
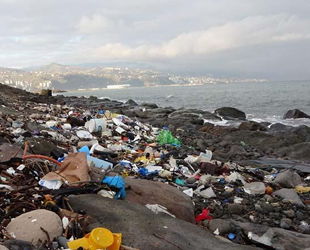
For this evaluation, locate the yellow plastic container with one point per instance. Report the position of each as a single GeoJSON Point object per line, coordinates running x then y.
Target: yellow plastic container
{"type": "Point", "coordinates": [99, 238]}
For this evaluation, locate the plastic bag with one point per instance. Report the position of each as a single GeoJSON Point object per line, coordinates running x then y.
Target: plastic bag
{"type": "Point", "coordinates": [165, 137]}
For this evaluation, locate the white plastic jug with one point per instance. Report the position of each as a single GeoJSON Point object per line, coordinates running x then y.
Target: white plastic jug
{"type": "Point", "coordinates": [97, 125]}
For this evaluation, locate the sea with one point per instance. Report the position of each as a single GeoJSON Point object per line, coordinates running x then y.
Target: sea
{"type": "Point", "coordinates": [261, 101]}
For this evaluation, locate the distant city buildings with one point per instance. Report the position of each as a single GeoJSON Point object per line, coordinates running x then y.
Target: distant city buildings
{"type": "Point", "coordinates": [114, 78]}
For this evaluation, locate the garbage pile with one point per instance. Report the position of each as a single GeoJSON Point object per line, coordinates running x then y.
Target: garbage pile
{"type": "Point", "coordinates": [60, 151]}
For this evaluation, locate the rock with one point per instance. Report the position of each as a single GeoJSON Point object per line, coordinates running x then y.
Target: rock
{"type": "Point", "coordinates": [143, 229]}
{"type": "Point", "coordinates": [288, 179]}
{"type": "Point", "coordinates": [18, 245]}
{"type": "Point", "coordinates": [289, 194]}
{"type": "Point", "coordinates": [251, 125]}
{"type": "Point", "coordinates": [131, 102]}
{"type": "Point", "coordinates": [295, 114]}
{"type": "Point", "coordinates": [149, 105]}
{"type": "Point", "coordinates": [146, 192]}
{"type": "Point", "coordinates": [229, 113]}
{"type": "Point", "coordinates": [190, 113]}
{"type": "Point", "coordinates": [289, 213]}
{"type": "Point", "coordinates": [207, 127]}
{"type": "Point", "coordinates": [27, 226]}
{"type": "Point", "coordinates": [235, 208]}
{"type": "Point", "coordinates": [278, 238]}
{"type": "Point", "coordinates": [299, 151]}
{"type": "Point", "coordinates": [286, 223]}
{"type": "Point", "coordinates": [279, 127]}
{"type": "Point", "coordinates": [223, 226]}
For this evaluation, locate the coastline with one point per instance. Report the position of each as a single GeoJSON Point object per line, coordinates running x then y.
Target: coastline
{"type": "Point", "coordinates": [252, 152]}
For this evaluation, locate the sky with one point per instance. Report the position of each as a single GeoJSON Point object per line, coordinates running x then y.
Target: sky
{"type": "Point", "coordinates": [247, 38]}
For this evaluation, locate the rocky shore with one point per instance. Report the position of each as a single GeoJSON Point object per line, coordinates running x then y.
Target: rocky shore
{"type": "Point", "coordinates": [249, 190]}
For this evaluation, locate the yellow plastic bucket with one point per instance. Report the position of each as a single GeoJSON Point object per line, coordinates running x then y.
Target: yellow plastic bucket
{"type": "Point", "coordinates": [99, 238]}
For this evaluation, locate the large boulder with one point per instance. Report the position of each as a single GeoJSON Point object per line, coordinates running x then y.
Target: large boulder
{"type": "Point", "coordinates": [147, 192]}
{"type": "Point", "coordinates": [143, 229]}
{"type": "Point", "coordinates": [229, 113]}
{"type": "Point", "coordinates": [193, 113]}
{"type": "Point", "coordinates": [28, 226]}
{"type": "Point", "coordinates": [295, 114]}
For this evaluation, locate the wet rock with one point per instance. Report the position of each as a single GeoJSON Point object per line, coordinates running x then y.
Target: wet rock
{"type": "Point", "coordinates": [223, 226]}
{"type": "Point", "coordinates": [288, 179]}
{"type": "Point", "coordinates": [131, 102]}
{"type": "Point", "coordinates": [251, 125]}
{"type": "Point", "coordinates": [295, 114]}
{"type": "Point", "coordinates": [279, 127]}
{"type": "Point", "coordinates": [141, 227]}
{"type": "Point", "coordinates": [229, 113]}
{"type": "Point", "coordinates": [146, 192]}
{"type": "Point", "coordinates": [289, 194]}
{"type": "Point", "coordinates": [235, 208]}
{"type": "Point", "coordinates": [149, 105]}
{"type": "Point", "coordinates": [28, 226]}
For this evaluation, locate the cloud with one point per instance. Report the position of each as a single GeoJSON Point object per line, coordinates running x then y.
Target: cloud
{"type": "Point", "coordinates": [251, 31]}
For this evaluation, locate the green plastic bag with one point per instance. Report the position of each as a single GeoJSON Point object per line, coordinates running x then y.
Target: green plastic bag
{"type": "Point", "coordinates": [165, 137]}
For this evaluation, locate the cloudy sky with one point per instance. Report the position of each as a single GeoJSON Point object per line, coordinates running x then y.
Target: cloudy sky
{"type": "Point", "coordinates": [250, 38]}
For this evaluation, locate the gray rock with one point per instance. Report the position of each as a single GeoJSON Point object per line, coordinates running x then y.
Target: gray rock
{"type": "Point", "coordinates": [289, 194]}
{"type": "Point", "coordinates": [143, 229]}
{"type": "Point", "coordinates": [27, 226]}
{"type": "Point", "coordinates": [131, 102]}
{"type": "Point", "coordinates": [279, 238]}
{"type": "Point", "coordinates": [235, 208]}
{"type": "Point", "coordinates": [251, 125]}
{"type": "Point", "coordinates": [289, 213]}
{"type": "Point", "coordinates": [288, 179]}
{"type": "Point", "coordinates": [286, 223]}
{"type": "Point", "coordinates": [223, 226]}
{"type": "Point", "coordinates": [146, 192]}
{"type": "Point", "coordinates": [295, 114]}
{"type": "Point", "coordinates": [18, 245]}
{"type": "Point", "coordinates": [229, 113]}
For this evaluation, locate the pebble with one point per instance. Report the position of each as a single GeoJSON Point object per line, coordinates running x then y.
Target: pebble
{"type": "Point", "coordinates": [286, 223]}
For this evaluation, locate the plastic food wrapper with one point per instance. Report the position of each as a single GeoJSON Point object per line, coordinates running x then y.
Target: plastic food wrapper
{"type": "Point", "coordinates": [116, 182]}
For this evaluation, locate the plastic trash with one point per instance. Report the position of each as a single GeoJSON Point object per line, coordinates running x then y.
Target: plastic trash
{"type": "Point", "coordinates": [206, 193]}
{"type": "Point", "coordinates": [231, 236]}
{"type": "Point", "coordinates": [158, 209]}
{"type": "Point", "coordinates": [50, 184]}
{"type": "Point", "coordinates": [84, 149]}
{"type": "Point", "coordinates": [179, 182]}
{"type": "Point", "coordinates": [254, 188]}
{"type": "Point", "coordinates": [116, 182]}
{"type": "Point", "coordinates": [99, 163]}
{"type": "Point", "coordinates": [205, 157]}
{"type": "Point", "coordinates": [300, 189]}
{"type": "Point", "coordinates": [82, 134]}
{"type": "Point", "coordinates": [189, 192]}
{"type": "Point", "coordinates": [204, 216]}
{"type": "Point", "coordinates": [165, 137]}
{"type": "Point", "coordinates": [99, 238]}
